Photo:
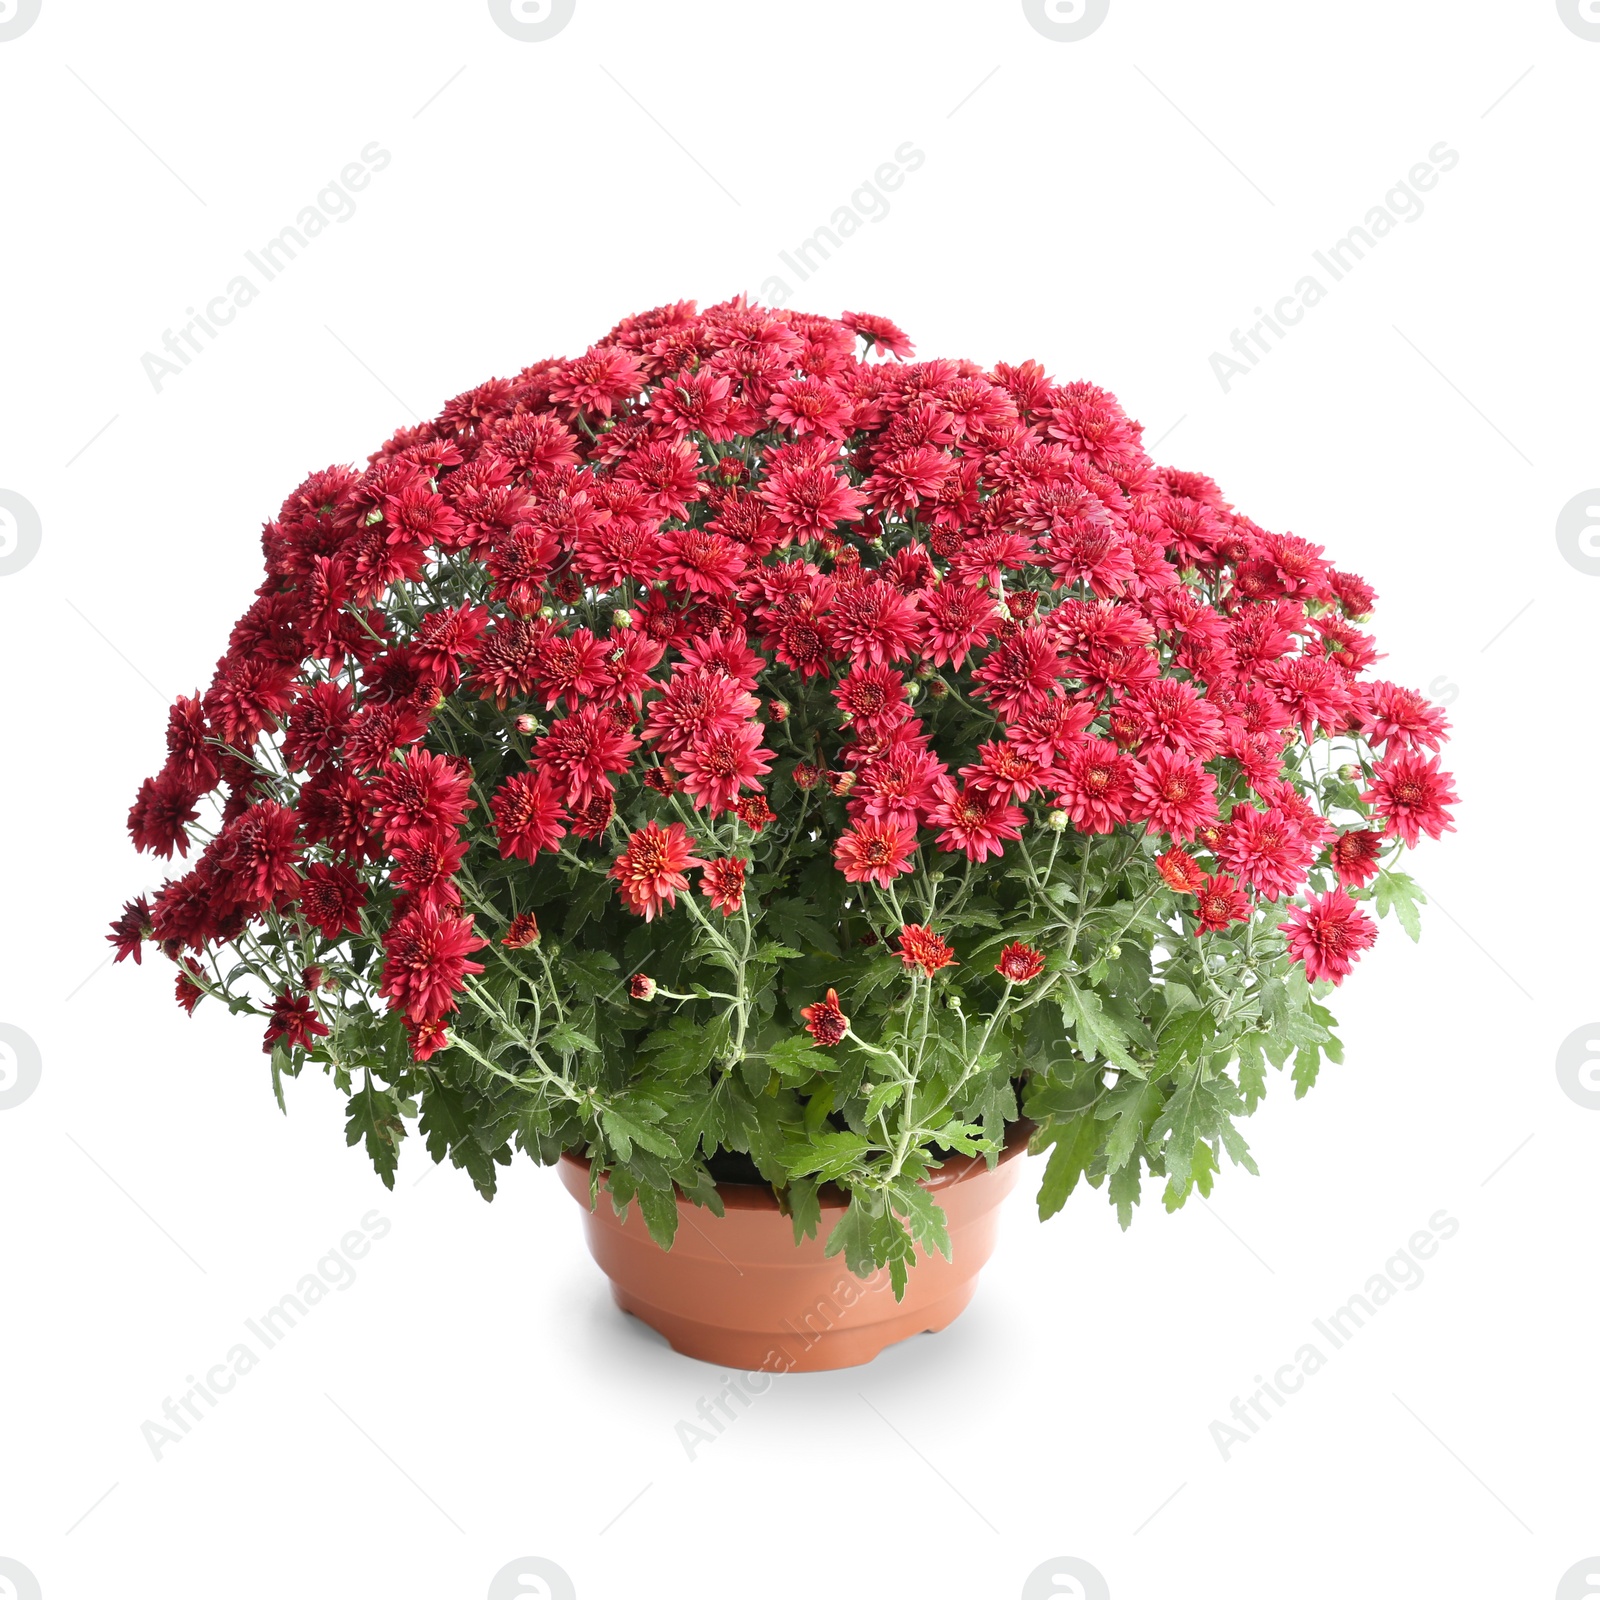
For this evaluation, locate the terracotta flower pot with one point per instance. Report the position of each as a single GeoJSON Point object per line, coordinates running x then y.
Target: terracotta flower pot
{"type": "Point", "coordinates": [737, 1291]}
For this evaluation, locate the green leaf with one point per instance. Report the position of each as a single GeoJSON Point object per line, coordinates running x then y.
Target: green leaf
{"type": "Point", "coordinates": [772, 950]}
{"type": "Point", "coordinates": [1307, 1063]}
{"type": "Point", "coordinates": [1130, 1108]}
{"type": "Point", "coordinates": [963, 1137]}
{"type": "Point", "coordinates": [447, 1128]}
{"type": "Point", "coordinates": [625, 1131]}
{"type": "Point", "coordinates": [828, 1156]}
{"type": "Point", "coordinates": [1396, 892]}
{"type": "Point", "coordinates": [795, 1058]}
{"type": "Point", "coordinates": [923, 1217]}
{"type": "Point", "coordinates": [1124, 1192]}
{"type": "Point", "coordinates": [1184, 1038]}
{"type": "Point", "coordinates": [659, 1207]}
{"type": "Point", "coordinates": [870, 1236]}
{"type": "Point", "coordinates": [1097, 1032]}
{"type": "Point", "coordinates": [805, 1209]}
{"type": "Point", "coordinates": [1073, 1147]}
{"type": "Point", "coordinates": [1252, 1070]}
{"type": "Point", "coordinates": [882, 1097]}
{"type": "Point", "coordinates": [569, 1040]}
{"type": "Point", "coordinates": [373, 1117]}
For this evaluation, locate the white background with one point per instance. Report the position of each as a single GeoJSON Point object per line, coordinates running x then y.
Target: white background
{"type": "Point", "coordinates": [1114, 207]}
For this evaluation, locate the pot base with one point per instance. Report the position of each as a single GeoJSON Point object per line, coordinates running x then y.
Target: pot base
{"type": "Point", "coordinates": [791, 1349]}
{"type": "Point", "coordinates": [737, 1291]}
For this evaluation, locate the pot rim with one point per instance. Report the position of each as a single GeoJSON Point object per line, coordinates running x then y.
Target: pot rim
{"type": "Point", "coordinates": [759, 1196]}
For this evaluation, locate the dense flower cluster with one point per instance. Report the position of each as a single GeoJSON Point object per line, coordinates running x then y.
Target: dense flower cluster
{"type": "Point", "coordinates": [725, 594]}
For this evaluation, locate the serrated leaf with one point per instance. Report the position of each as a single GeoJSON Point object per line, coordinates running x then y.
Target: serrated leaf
{"type": "Point", "coordinates": [1096, 1031]}
{"type": "Point", "coordinates": [923, 1217]}
{"type": "Point", "coordinates": [1124, 1193]}
{"type": "Point", "coordinates": [1397, 892]}
{"type": "Point", "coordinates": [1072, 1148]}
{"type": "Point", "coordinates": [1130, 1108]}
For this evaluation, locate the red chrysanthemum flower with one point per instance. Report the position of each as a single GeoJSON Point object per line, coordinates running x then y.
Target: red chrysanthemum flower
{"type": "Point", "coordinates": [1412, 795]}
{"type": "Point", "coordinates": [722, 883]}
{"type": "Point", "coordinates": [824, 1021]}
{"type": "Point", "coordinates": [698, 703]}
{"type": "Point", "coordinates": [654, 867]}
{"type": "Point", "coordinates": [158, 820]}
{"type": "Point", "coordinates": [130, 930]}
{"type": "Point", "coordinates": [875, 852]}
{"type": "Point", "coordinates": [1181, 871]}
{"type": "Point", "coordinates": [420, 793]}
{"type": "Point", "coordinates": [701, 562]}
{"type": "Point", "coordinates": [956, 619]}
{"type": "Point", "coordinates": [573, 666]}
{"type": "Point", "coordinates": [872, 622]}
{"type": "Point", "coordinates": [921, 947]}
{"type": "Point", "coordinates": [810, 500]}
{"type": "Point", "coordinates": [714, 769]}
{"type": "Point", "coordinates": [1174, 795]}
{"type": "Point", "coordinates": [528, 815]}
{"type": "Point", "coordinates": [425, 962]}
{"type": "Point", "coordinates": [1328, 934]}
{"type": "Point", "coordinates": [294, 1021]}
{"type": "Point", "coordinates": [975, 822]}
{"type": "Point", "coordinates": [1218, 902]}
{"type": "Point", "coordinates": [331, 898]}
{"type": "Point", "coordinates": [754, 812]}
{"type": "Point", "coordinates": [190, 978]}
{"type": "Point", "coordinates": [521, 931]}
{"type": "Point", "coordinates": [810, 405]}
{"type": "Point", "coordinates": [425, 869]}
{"type": "Point", "coordinates": [258, 854]}
{"type": "Point", "coordinates": [1096, 786]}
{"type": "Point", "coordinates": [877, 331]}
{"type": "Point", "coordinates": [1401, 717]}
{"type": "Point", "coordinates": [582, 751]}
{"type": "Point", "coordinates": [1354, 856]}
{"type": "Point", "coordinates": [1020, 673]}
{"type": "Point", "coordinates": [1266, 850]}
{"type": "Point", "coordinates": [1019, 962]}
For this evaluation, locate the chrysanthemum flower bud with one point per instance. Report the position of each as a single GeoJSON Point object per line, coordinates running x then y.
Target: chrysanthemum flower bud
{"type": "Point", "coordinates": [525, 723]}
{"type": "Point", "coordinates": [938, 689]}
{"type": "Point", "coordinates": [621, 618]}
{"type": "Point", "coordinates": [1114, 950]}
{"type": "Point", "coordinates": [1057, 821]}
{"type": "Point", "coordinates": [780, 710]}
{"type": "Point", "coordinates": [1349, 772]}
{"type": "Point", "coordinates": [548, 613]}
{"type": "Point", "coordinates": [642, 987]}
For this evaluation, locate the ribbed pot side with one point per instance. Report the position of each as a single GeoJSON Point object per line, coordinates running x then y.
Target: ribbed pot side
{"type": "Point", "coordinates": [736, 1290]}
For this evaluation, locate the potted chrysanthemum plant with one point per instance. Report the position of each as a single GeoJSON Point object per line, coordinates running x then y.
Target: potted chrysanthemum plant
{"type": "Point", "coordinates": [778, 781]}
